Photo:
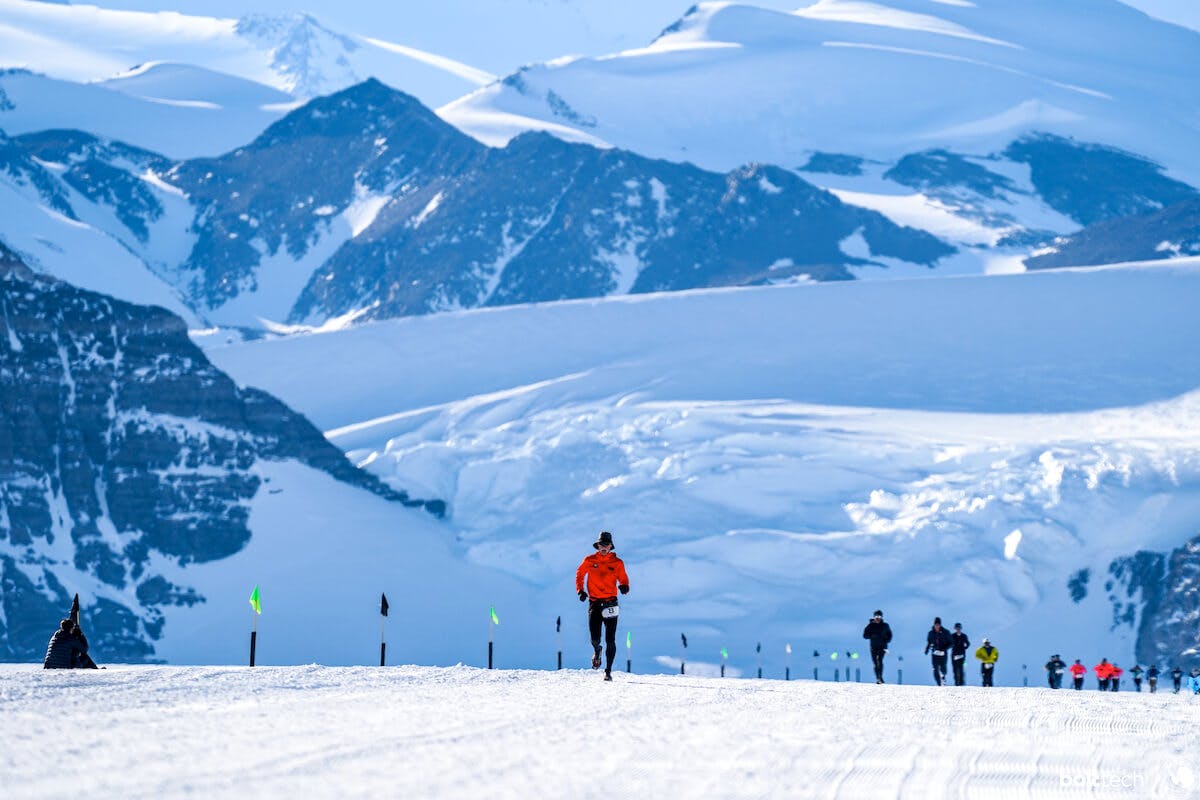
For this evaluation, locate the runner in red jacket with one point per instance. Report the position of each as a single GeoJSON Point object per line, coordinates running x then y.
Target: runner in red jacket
{"type": "Point", "coordinates": [1116, 673]}
{"type": "Point", "coordinates": [1103, 672]}
{"type": "Point", "coordinates": [604, 575]}
{"type": "Point", "coordinates": [1078, 670]}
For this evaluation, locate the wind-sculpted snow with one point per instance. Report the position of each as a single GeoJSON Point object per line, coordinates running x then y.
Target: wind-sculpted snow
{"type": "Point", "coordinates": [367, 732]}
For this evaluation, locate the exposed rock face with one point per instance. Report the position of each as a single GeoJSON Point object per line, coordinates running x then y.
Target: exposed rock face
{"type": "Point", "coordinates": [120, 446]}
{"type": "Point", "coordinates": [544, 219]}
{"type": "Point", "coordinates": [1169, 233]}
{"type": "Point", "coordinates": [1165, 589]}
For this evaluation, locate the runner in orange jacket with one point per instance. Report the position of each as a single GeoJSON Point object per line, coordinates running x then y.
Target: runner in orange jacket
{"type": "Point", "coordinates": [1078, 670]}
{"type": "Point", "coordinates": [604, 575]}
{"type": "Point", "coordinates": [1103, 672]}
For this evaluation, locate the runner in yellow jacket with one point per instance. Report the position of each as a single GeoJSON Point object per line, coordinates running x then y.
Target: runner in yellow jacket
{"type": "Point", "coordinates": [987, 656]}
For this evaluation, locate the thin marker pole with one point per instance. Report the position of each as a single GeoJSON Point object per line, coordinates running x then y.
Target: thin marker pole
{"type": "Point", "coordinates": [253, 635]}
{"type": "Point", "coordinates": [558, 631]}
{"type": "Point", "coordinates": [383, 613]}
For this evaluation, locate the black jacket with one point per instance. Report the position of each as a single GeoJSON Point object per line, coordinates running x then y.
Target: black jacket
{"type": "Point", "coordinates": [959, 643]}
{"type": "Point", "coordinates": [879, 633]}
{"type": "Point", "coordinates": [64, 650]}
{"type": "Point", "coordinates": [937, 640]}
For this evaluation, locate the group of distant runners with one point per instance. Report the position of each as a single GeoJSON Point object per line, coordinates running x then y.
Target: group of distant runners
{"type": "Point", "coordinates": [942, 645]}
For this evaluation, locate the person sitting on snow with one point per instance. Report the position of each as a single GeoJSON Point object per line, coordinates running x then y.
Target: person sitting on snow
{"type": "Point", "coordinates": [67, 649]}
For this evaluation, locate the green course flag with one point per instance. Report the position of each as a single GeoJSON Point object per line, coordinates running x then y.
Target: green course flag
{"type": "Point", "coordinates": [495, 619]}
{"type": "Point", "coordinates": [724, 653]}
{"type": "Point", "coordinates": [256, 601]}
{"type": "Point", "coordinates": [833, 655]}
{"type": "Point", "coordinates": [628, 640]}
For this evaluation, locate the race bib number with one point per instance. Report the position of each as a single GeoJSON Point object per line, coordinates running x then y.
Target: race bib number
{"type": "Point", "coordinates": [1058, 671]}
{"type": "Point", "coordinates": [960, 658]}
{"type": "Point", "coordinates": [988, 666]}
{"type": "Point", "coordinates": [939, 652]}
{"type": "Point", "coordinates": [610, 611]}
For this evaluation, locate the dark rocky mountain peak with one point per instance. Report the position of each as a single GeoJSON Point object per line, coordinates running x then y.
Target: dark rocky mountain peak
{"type": "Point", "coordinates": [121, 446]}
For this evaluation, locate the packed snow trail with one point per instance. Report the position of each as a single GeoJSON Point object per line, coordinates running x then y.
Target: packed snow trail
{"type": "Point", "coordinates": [160, 732]}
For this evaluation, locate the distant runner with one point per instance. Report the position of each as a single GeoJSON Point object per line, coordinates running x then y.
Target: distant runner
{"type": "Point", "coordinates": [1078, 671]}
{"type": "Point", "coordinates": [1055, 668]}
{"type": "Point", "coordinates": [938, 642]}
{"type": "Point", "coordinates": [958, 653]}
{"type": "Point", "coordinates": [987, 656]}
{"type": "Point", "coordinates": [879, 634]}
{"type": "Point", "coordinates": [1152, 678]}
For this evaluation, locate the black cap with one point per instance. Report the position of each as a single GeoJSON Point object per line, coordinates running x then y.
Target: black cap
{"type": "Point", "coordinates": [958, 626]}
{"type": "Point", "coordinates": [604, 539]}
{"type": "Point", "coordinates": [878, 613]}
{"type": "Point", "coordinates": [937, 620]}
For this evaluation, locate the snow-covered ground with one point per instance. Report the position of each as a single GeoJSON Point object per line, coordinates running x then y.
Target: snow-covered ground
{"type": "Point", "coordinates": [775, 463]}
{"type": "Point", "coordinates": [318, 732]}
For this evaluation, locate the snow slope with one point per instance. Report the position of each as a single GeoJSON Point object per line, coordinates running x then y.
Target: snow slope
{"type": "Point", "coordinates": [178, 111]}
{"type": "Point", "coordinates": [777, 462]}
{"type": "Point", "coordinates": [293, 53]}
{"type": "Point", "coordinates": [734, 83]}
{"type": "Point", "coordinates": [318, 732]}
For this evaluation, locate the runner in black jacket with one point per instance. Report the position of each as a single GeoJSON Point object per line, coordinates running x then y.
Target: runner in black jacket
{"type": "Point", "coordinates": [938, 642]}
{"type": "Point", "coordinates": [958, 653]}
{"type": "Point", "coordinates": [879, 634]}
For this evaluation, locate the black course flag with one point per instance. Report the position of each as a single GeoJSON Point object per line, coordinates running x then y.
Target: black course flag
{"type": "Point", "coordinates": [383, 609]}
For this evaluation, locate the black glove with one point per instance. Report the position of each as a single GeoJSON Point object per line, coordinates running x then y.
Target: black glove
{"type": "Point", "coordinates": [582, 596]}
{"type": "Point", "coordinates": [624, 588]}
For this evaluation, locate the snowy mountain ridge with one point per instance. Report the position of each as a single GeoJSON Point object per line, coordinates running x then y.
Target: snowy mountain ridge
{"type": "Point", "coordinates": [293, 53]}
{"type": "Point", "coordinates": [408, 216]}
{"type": "Point", "coordinates": [914, 108]}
